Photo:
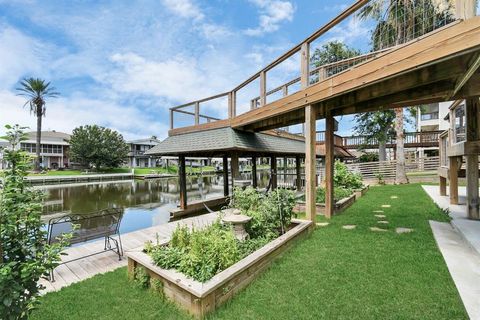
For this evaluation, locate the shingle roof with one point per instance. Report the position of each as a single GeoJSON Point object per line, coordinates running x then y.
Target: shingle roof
{"type": "Point", "coordinates": [226, 139]}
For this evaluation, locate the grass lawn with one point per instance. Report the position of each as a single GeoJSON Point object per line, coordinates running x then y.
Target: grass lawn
{"type": "Point", "coordinates": [334, 274]}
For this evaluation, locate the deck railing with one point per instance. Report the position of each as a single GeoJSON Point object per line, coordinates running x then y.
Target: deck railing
{"type": "Point", "coordinates": [408, 20]}
{"type": "Point", "coordinates": [418, 139]}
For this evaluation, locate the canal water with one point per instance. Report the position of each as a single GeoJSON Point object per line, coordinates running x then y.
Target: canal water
{"type": "Point", "coordinates": [145, 202]}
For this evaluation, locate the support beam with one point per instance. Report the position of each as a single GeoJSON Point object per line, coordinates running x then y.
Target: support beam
{"type": "Point", "coordinates": [285, 169]}
{"type": "Point", "coordinates": [453, 178]}
{"type": "Point", "coordinates": [235, 167]}
{"type": "Point", "coordinates": [263, 88]}
{"type": "Point", "coordinates": [182, 180]}
{"type": "Point", "coordinates": [464, 9]}
{"type": "Point", "coordinates": [472, 108]}
{"type": "Point", "coordinates": [465, 77]}
{"type": "Point", "coordinates": [225, 176]}
{"type": "Point", "coordinates": [329, 165]}
{"type": "Point", "coordinates": [305, 65]}
{"type": "Point", "coordinates": [254, 172]}
{"type": "Point", "coordinates": [273, 171]}
{"type": "Point", "coordinates": [298, 182]}
{"type": "Point", "coordinates": [443, 186]}
{"type": "Point", "coordinates": [310, 158]}
{"type": "Point", "coordinates": [197, 113]}
{"type": "Point", "coordinates": [171, 119]}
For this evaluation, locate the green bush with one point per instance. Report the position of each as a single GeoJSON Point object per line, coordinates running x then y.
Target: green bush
{"type": "Point", "coordinates": [338, 194]}
{"type": "Point", "coordinates": [201, 254]}
{"type": "Point", "coordinates": [344, 178]}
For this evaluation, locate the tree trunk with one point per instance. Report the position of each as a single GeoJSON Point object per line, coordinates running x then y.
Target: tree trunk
{"type": "Point", "coordinates": [382, 151]}
{"type": "Point", "coordinates": [401, 175]}
{"type": "Point", "coordinates": [39, 137]}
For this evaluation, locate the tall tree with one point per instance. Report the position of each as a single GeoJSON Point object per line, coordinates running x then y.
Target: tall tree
{"type": "Point", "coordinates": [376, 126]}
{"type": "Point", "coordinates": [399, 21]}
{"type": "Point", "coordinates": [98, 147]}
{"type": "Point", "coordinates": [331, 52]}
{"type": "Point", "coordinates": [37, 91]}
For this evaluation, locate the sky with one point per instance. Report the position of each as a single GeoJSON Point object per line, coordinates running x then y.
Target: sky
{"type": "Point", "coordinates": [123, 64]}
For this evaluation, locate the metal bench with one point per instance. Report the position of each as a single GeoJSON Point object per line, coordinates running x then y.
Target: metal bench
{"type": "Point", "coordinates": [86, 227]}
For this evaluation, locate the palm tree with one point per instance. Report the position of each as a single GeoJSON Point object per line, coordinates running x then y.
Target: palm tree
{"type": "Point", "coordinates": [36, 91]}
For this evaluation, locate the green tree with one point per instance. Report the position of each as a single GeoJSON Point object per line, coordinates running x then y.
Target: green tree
{"type": "Point", "coordinates": [399, 21]}
{"type": "Point", "coordinates": [376, 126]}
{"type": "Point", "coordinates": [98, 147]}
{"type": "Point", "coordinates": [331, 52]}
{"type": "Point", "coordinates": [25, 255]}
{"type": "Point", "coordinates": [36, 91]}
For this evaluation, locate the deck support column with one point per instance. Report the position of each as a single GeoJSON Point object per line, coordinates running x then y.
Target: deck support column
{"type": "Point", "coordinates": [225, 176]}
{"type": "Point", "coordinates": [285, 167]}
{"type": "Point", "coordinates": [182, 179]}
{"type": "Point", "coordinates": [298, 181]}
{"type": "Point", "coordinates": [273, 171]}
{"type": "Point", "coordinates": [443, 186]}
{"type": "Point", "coordinates": [235, 167]}
{"type": "Point", "coordinates": [453, 178]}
{"type": "Point", "coordinates": [310, 165]}
{"type": "Point", "coordinates": [472, 106]}
{"type": "Point", "coordinates": [254, 171]}
{"type": "Point", "coordinates": [329, 165]}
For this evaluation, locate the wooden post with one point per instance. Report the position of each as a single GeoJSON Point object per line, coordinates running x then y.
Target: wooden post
{"type": "Point", "coordinates": [472, 106]}
{"type": "Point", "coordinates": [284, 91]}
{"type": "Point", "coordinates": [254, 171]}
{"type": "Point", "coordinates": [225, 176]}
{"type": "Point", "coordinates": [305, 65]}
{"type": "Point", "coordinates": [329, 165]}
{"type": "Point", "coordinates": [182, 177]}
{"type": "Point", "coordinates": [263, 88]}
{"type": "Point", "coordinates": [197, 113]}
{"type": "Point", "coordinates": [310, 165]}
{"type": "Point", "coordinates": [453, 179]}
{"type": "Point", "coordinates": [298, 181]}
{"type": "Point", "coordinates": [285, 167]}
{"type": "Point", "coordinates": [234, 166]}
{"type": "Point", "coordinates": [443, 186]}
{"type": "Point", "coordinates": [273, 171]}
{"type": "Point", "coordinates": [234, 103]}
{"type": "Point", "coordinates": [230, 105]}
{"type": "Point", "coordinates": [465, 9]}
{"type": "Point", "coordinates": [171, 119]}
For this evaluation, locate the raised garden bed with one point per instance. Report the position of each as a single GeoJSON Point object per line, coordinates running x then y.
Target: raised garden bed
{"type": "Point", "coordinates": [340, 205]}
{"type": "Point", "coordinates": [201, 298]}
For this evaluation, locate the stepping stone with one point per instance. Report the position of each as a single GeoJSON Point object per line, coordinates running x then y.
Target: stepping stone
{"type": "Point", "coordinates": [403, 230]}
{"type": "Point", "coordinates": [393, 197]}
{"type": "Point", "coordinates": [349, 226]}
{"type": "Point", "coordinates": [382, 222]}
{"type": "Point", "coordinates": [378, 229]}
{"type": "Point", "coordinates": [380, 216]}
{"type": "Point", "coordinates": [378, 211]}
{"type": "Point", "coordinates": [322, 224]}
{"type": "Point", "coordinates": [386, 206]}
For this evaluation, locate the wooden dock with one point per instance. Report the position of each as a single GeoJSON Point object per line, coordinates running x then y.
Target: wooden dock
{"type": "Point", "coordinates": [79, 178]}
{"type": "Point", "coordinates": [82, 269]}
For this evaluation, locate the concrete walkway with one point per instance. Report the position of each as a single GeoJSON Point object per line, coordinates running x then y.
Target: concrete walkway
{"type": "Point", "coordinates": [463, 264]}
{"type": "Point", "coordinates": [459, 242]}
{"type": "Point", "coordinates": [76, 271]}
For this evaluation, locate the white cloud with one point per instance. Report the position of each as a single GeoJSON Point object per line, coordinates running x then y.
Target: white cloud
{"type": "Point", "coordinates": [184, 8]}
{"type": "Point", "coordinates": [273, 13]}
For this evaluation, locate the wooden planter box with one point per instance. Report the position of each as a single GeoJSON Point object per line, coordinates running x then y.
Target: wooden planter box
{"type": "Point", "coordinates": [360, 192]}
{"type": "Point", "coordinates": [201, 298]}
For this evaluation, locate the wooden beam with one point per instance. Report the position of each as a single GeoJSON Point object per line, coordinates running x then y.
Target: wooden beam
{"type": "Point", "coordinates": [254, 172]}
{"type": "Point", "coordinates": [273, 171]}
{"type": "Point", "coordinates": [472, 187]}
{"type": "Point", "coordinates": [465, 9]}
{"type": "Point", "coordinates": [329, 165]}
{"type": "Point", "coordinates": [182, 180]}
{"type": "Point", "coordinates": [171, 119]}
{"type": "Point", "coordinates": [197, 113]}
{"type": "Point", "coordinates": [263, 88]}
{"type": "Point", "coordinates": [305, 65]}
{"type": "Point", "coordinates": [443, 186]}
{"type": "Point", "coordinates": [310, 162]}
{"type": "Point", "coordinates": [461, 82]}
{"type": "Point", "coordinates": [298, 181]}
{"type": "Point", "coordinates": [225, 176]}
{"type": "Point", "coordinates": [285, 169]}
{"type": "Point", "coordinates": [453, 178]}
{"type": "Point", "coordinates": [234, 167]}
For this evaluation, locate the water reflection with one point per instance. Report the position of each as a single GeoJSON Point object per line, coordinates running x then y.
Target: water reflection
{"type": "Point", "coordinates": [146, 202]}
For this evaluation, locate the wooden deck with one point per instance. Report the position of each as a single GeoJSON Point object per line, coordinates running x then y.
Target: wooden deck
{"type": "Point", "coordinates": [79, 270]}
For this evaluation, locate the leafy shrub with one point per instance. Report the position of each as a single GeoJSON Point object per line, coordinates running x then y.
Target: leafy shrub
{"type": "Point", "coordinates": [368, 157]}
{"type": "Point", "coordinates": [141, 277]}
{"type": "Point", "coordinates": [278, 208]}
{"type": "Point", "coordinates": [201, 254]}
{"type": "Point", "coordinates": [344, 178]}
{"type": "Point", "coordinates": [338, 194]}
{"type": "Point", "coordinates": [25, 255]}
{"type": "Point", "coordinates": [246, 199]}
